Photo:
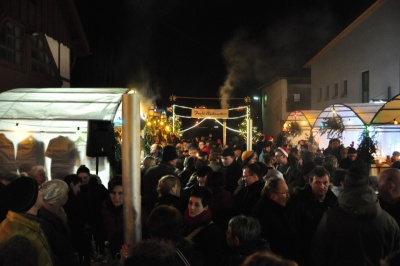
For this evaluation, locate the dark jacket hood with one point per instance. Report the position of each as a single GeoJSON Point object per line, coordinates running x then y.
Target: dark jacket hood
{"type": "Point", "coordinates": [361, 202]}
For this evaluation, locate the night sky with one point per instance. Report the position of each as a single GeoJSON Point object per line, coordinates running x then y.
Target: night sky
{"type": "Point", "coordinates": [195, 48]}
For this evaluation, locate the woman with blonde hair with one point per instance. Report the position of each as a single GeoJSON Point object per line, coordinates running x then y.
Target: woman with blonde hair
{"type": "Point", "coordinates": [169, 191]}
{"type": "Point", "coordinates": [55, 195]}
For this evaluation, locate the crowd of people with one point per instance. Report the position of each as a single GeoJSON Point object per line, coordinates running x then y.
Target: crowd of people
{"type": "Point", "coordinates": [204, 204]}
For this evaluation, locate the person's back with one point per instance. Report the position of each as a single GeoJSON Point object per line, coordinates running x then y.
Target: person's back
{"type": "Point", "coordinates": [222, 204]}
{"type": "Point", "coordinates": [165, 223]}
{"type": "Point", "coordinates": [188, 170]}
{"type": "Point", "coordinates": [243, 239]}
{"type": "Point", "coordinates": [55, 195]}
{"type": "Point", "coordinates": [358, 231]}
{"type": "Point", "coordinates": [154, 174]}
{"type": "Point", "coordinates": [22, 238]}
{"type": "Point", "coordinates": [154, 252]}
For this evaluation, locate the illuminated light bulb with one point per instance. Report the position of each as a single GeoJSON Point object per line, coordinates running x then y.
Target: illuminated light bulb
{"type": "Point", "coordinates": [395, 121]}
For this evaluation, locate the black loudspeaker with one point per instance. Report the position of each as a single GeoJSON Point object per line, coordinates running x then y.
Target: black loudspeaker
{"type": "Point", "coordinates": [100, 138]}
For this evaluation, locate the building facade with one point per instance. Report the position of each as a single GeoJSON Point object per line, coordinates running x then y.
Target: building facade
{"type": "Point", "coordinates": [38, 41]}
{"type": "Point", "coordinates": [362, 63]}
{"type": "Point", "coordinates": [280, 98]}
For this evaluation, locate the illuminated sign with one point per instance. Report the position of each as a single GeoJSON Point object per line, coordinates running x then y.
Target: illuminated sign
{"type": "Point", "coordinates": [211, 113]}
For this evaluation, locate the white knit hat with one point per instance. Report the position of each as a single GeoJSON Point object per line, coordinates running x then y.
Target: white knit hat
{"type": "Point", "coordinates": [54, 190]}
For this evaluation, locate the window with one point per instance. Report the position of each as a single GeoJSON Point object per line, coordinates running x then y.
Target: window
{"type": "Point", "coordinates": [344, 88]}
{"type": "Point", "coordinates": [11, 43]}
{"type": "Point", "coordinates": [336, 92]}
{"type": "Point", "coordinates": [327, 93]}
{"type": "Point", "coordinates": [296, 97]}
{"type": "Point", "coordinates": [265, 99]}
{"type": "Point", "coordinates": [365, 87]}
{"type": "Point", "coordinates": [320, 94]}
{"type": "Point", "coordinates": [40, 60]}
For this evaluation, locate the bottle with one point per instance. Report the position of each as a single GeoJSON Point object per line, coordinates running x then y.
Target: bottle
{"type": "Point", "coordinates": [94, 254]}
{"type": "Point", "coordinates": [107, 253]}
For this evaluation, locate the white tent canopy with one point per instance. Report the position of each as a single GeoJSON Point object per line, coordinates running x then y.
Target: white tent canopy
{"type": "Point", "coordinates": [387, 131]}
{"type": "Point", "coordinates": [306, 119]}
{"type": "Point", "coordinates": [389, 112]}
{"type": "Point", "coordinates": [58, 109]}
{"type": "Point", "coordinates": [37, 117]}
{"type": "Point", "coordinates": [355, 117]}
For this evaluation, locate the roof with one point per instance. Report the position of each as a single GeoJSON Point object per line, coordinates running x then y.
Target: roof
{"type": "Point", "coordinates": [388, 112]}
{"type": "Point", "coordinates": [354, 115]}
{"type": "Point", "coordinates": [346, 31]}
{"type": "Point", "coordinates": [305, 118]}
{"type": "Point", "coordinates": [55, 109]}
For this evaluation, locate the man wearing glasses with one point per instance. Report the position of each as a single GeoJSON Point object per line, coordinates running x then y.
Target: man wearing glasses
{"type": "Point", "coordinates": [247, 196]}
{"type": "Point", "coordinates": [273, 215]}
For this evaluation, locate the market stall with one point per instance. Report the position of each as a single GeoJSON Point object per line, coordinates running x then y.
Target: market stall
{"type": "Point", "coordinates": [299, 125]}
{"type": "Point", "coordinates": [385, 121]}
{"type": "Point", "coordinates": [344, 121]}
{"type": "Point", "coordinates": [42, 125]}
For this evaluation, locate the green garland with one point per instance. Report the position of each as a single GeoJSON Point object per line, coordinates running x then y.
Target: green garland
{"type": "Point", "coordinates": [294, 129]}
{"type": "Point", "coordinates": [332, 126]}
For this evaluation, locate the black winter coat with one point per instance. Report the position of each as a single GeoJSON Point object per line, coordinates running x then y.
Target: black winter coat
{"type": "Point", "coordinates": [210, 243]}
{"type": "Point", "coordinates": [276, 227]}
{"type": "Point", "coordinates": [247, 197]}
{"type": "Point", "coordinates": [150, 183]}
{"type": "Point", "coordinates": [172, 200]}
{"type": "Point", "coordinates": [237, 255]}
{"type": "Point", "coordinates": [113, 225]}
{"type": "Point", "coordinates": [59, 237]}
{"type": "Point", "coordinates": [232, 174]}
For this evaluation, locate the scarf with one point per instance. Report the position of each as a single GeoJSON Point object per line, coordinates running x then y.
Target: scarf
{"type": "Point", "coordinates": [202, 219]}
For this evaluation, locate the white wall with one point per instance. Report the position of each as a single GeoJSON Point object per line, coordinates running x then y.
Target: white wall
{"type": "Point", "coordinates": [372, 46]}
{"type": "Point", "coordinates": [61, 56]}
{"type": "Point", "coordinates": [274, 111]}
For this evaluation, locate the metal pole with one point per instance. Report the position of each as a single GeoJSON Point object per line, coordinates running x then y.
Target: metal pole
{"type": "Point", "coordinates": [250, 145]}
{"type": "Point", "coordinates": [248, 128]}
{"type": "Point", "coordinates": [131, 168]}
{"type": "Point", "coordinates": [224, 134]}
{"type": "Point", "coordinates": [173, 118]}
